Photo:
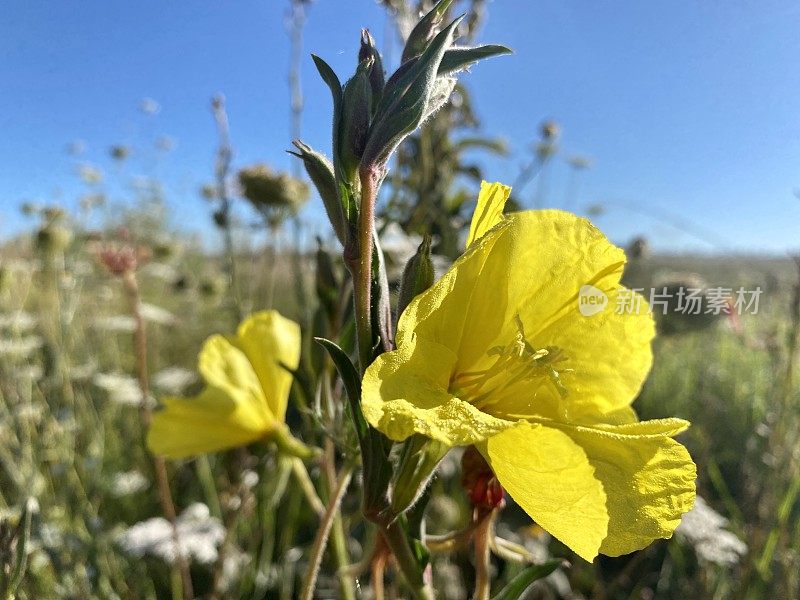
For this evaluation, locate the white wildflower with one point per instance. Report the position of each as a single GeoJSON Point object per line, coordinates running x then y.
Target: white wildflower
{"type": "Point", "coordinates": [82, 372]}
{"type": "Point", "coordinates": [18, 321]}
{"type": "Point", "coordinates": [21, 346]}
{"type": "Point", "coordinates": [22, 265]}
{"type": "Point", "coordinates": [120, 323]}
{"type": "Point", "coordinates": [704, 529]}
{"type": "Point", "coordinates": [232, 567]}
{"type": "Point", "coordinates": [199, 535]}
{"type": "Point", "coordinates": [398, 247]}
{"type": "Point", "coordinates": [173, 380]}
{"type": "Point", "coordinates": [250, 479]}
{"type": "Point", "coordinates": [121, 389]}
{"type": "Point", "coordinates": [82, 268]}
{"type": "Point", "coordinates": [127, 483]}
{"type": "Point", "coordinates": [156, 314]}
{"type": "Point", "coordinates": [29, 411]}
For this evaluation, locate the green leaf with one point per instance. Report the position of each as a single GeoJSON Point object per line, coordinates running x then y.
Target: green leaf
{"type": "Point", "coordinates": [332, 80]}
{"type": "Point", "coordinates": [459, 58]}
{"type": "Point", "coordinates": [375, 447]}
{"type": "Point", "coordinates": [517, 586]}
{"type": "Point", "coordinates": [320, 171]}
{"type": "Point", "coordinates": [352, 385]}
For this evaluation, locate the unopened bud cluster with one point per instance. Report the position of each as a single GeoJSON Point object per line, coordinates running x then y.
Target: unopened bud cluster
{"type": "Point", "coordinates": [373, 114]}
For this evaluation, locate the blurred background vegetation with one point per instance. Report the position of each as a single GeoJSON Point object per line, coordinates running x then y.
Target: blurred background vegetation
{"type": "Point", "coordinates": [78, 507]}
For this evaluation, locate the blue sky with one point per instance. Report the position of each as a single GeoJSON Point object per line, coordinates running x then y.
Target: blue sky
{"type": "Point", "coordinates": [690, 110]}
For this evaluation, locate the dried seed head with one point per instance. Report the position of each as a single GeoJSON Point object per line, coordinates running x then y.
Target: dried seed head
{"type": "Point", "coordinates": [273, 194]}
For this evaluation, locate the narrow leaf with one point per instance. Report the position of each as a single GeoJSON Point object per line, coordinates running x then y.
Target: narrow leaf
{"type": "Point", "coordinates": [517, 586]}
{"type": "Point", "coordinates": [352, 384]}
{"type": "Point", "coordinates": [459, 58]}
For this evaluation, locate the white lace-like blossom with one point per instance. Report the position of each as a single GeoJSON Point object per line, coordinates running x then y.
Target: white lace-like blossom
{"type": "Point", "coordinates": [160, 271]}
{"type": "Point", "coordinates": [18, 321]}
{"type": "Point", "coordinates": [199, 534]}
{"type": "Point", "coordinates": [704, 529]}
{"type": "Point", "coordinates": [121, 389]}
{"type": "Point", "coordinates": [21, 346]}
{"type": "Point", "coordinates": [120, 323]}
{"type": "Point", "coordinates": [127, 483]}
{"type": "Point", "coordinates": [174, 380]}
{"type": "Point", "coordinates": [158, 315]}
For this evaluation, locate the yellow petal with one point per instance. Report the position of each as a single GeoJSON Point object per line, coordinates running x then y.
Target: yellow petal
{"type": "Point", "coordinates": [224, 366]}
{"type": "Point", "coordinates": [489, 210]}
{"type": "Point", "coordinates": [609, 356]}
{"type": "Point", "coordinates": [530, 268]}
{"type": "Point", "coordinates": [271, 342]}
{"type": "Point", "coordinates": [212, 421]}
{"type": "Point", "coordinates": [647, 481]}
{"type": "Point", "coordinates": [550, 477]}
{"type": "Point", "coordinates": [406, 392]}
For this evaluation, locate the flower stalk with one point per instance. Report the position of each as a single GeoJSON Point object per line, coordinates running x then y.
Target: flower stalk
{"type": "Point", "coordinates": [362, 276]}
{"type": "Point", "coordinates": [131, 287]}
{"type": "Point", "coordinates": [321, 539]}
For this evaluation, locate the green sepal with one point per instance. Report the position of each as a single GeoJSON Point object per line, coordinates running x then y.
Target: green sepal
{"type": "Point", "coordinates": [332, 80]}
{"type": "Point", "coordinates": [418, 275]}
{"type": "Point", "coordinates": [419, 458]}
{"type": "Point", "coordinates": [381, 300]}
{"type": "Point", "coordinates": [423, 31]}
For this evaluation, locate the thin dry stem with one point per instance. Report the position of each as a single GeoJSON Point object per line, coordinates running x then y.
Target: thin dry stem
{"type": "Point", "coordinates": [159, 466]}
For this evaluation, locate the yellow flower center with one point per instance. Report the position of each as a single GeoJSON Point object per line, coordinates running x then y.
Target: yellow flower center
{"type": "Point", "coordinates": [516, 362]}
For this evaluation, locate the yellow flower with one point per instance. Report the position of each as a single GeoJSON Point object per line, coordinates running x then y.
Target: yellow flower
{"type": "Point", "coordinates": [246, 393]}
{"type": "Point", "coordinates": [497, 355]}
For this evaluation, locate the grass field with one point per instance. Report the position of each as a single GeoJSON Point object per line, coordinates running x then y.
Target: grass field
{"type": "Point", "coordinates": [71, 441]}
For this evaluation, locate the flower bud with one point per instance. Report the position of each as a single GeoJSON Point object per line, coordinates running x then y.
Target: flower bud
{"type": "Point", "coordinates": [418, 461]}
{"type": "Point", "coordinates": [377, 78]}
{"type": "Point", "coordinates": [478, 479]}
{"type": "Point", "coordinates": [417, 276]}
{"type": "Point", "coordinates": [356, 114]}
{"type": "Point", "coordinates": [424, 31]}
